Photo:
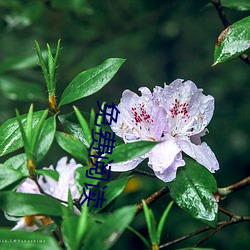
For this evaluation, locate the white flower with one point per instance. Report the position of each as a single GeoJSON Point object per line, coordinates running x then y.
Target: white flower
{"type": "Point", "coordinates": [177, 115]}
{"type": "Point", "coordinates": [58, 189]}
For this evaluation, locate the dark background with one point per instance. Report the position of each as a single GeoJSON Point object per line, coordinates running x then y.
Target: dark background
{"type": "Point", "coordinates": [161, 41]}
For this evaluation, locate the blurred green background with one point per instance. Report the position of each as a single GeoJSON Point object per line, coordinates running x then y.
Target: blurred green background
{"type": "Point", "coordinates": [161, 41]}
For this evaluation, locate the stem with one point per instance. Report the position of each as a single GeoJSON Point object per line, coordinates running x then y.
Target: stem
{"type": "Point", "coordinates": [144, 173]}
{"type": "Point", "coordinates": [223, 192]}
{"type": "Point", "coordinates": [235, 220]}
{"type": "Point", "coordinates": [152, 198]}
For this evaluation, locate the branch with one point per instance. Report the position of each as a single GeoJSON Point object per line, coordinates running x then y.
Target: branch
{"type": "Point", "coordinates": [235, 220]}
{"type": "Point", "coordinates": [223, 192]}
{"type": "Point", "coordinates": [226, 23]}
{"type": "Point", "coordinates": [144, 173]}
{"type": "Point", "coordinates": [152, 198]}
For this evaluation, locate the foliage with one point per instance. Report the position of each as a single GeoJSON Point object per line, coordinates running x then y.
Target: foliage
{"type": "Point", "coordinates": [28, 140]}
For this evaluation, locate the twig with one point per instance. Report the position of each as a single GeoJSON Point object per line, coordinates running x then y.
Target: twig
{"type": "Point", "coordinates": [226, 23]}
{"type": "Point", "coordinates": [204, 229]}
{"type": "Point", "coordinates": [144, 173]}
{"type": "Point", "coordinates": [42, 192]}
{"type": "Point", "coordinates": [223, 192]}
{"type": "Point", "coordinates": [152, 198]}
{"type": "Point", "coordinates": [235, 220]}
{"type": "Point", "coordinates": [224, 211]}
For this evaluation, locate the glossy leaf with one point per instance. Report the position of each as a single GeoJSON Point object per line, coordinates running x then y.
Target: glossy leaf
{"type": "Point", "coordinates": [113, 190]}
{"type": "Point", "coordinates": [73, 146]}
{"type": "Point", "coordinates": [241, 5]}
{"type": "Point", "coordinates": [233, 41]}
{"type": "Point", "coordinates": [19, 90]}
{"type": "Point", "coordinates": [8, 176]}
{"type": "Point", "coordinates": [21, 204]}
{"type": "Point", "coordinates": [46, 137]}
{"type": "Point", "coordinates": [131, 151]}
{"type": "Point", "coordinates": [103, 236]}
{"type": "Point", "coordinates": [10, 136]}
{"type": "Point", "coordinates": [193, 191]}
{"type": "Point", "coordinates": [72, 127]}
{"type": "Point", "coordinates": [90, 81]}
{"type": "Point", "coordinates": [16, 240]}
{"type": "Point", "coordinates": [18, 162]}
{"type": "Point", "coordinates": [84, 126]}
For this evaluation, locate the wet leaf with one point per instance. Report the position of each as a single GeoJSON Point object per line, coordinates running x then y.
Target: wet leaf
{"type": "Point", "coordinates": [20, 204]}
{"type": "Point", "coordinates": [10, 135]}
{"type": "Point", "coordinates": [233, 41]}
{"type": "Point", "coordinates": [193, 191]}
{"type": "Point", "coordinates": [90, 81]}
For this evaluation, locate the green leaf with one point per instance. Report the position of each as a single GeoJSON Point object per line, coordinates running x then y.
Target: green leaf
{"type": "Point", "coordinates": [46, 137]}
{"type": "Point", "coordinates": [20, 204]}
{"type": "Point", "coordinates": [69, 231]}
{"type": "Point", "coordinates": [84, 126]}
{"type": "Point", "coordinates": [143, 239]}
{"type": "Point", "coordinates": [131, 151]}
{"type": "Point", "coordinates": [233, 41]}
{"type": "Point", "coordinates": [19, 63]}
{"type": "Point", "coordinates": [9, 176]}
{"type": "Point", "coordinates": [81, 178]}
{"type": "Point", "coordinates": [193, 191]}
{"type": "Point", "coordinates": [74, 228]}
{"type": "Point", "coordinates": [151, 223]}
{"type": "Point", "coordinates": [53, 174]}
{"type": "Point", "coordinates": [113, 190]}
{"type": "Point", "coordinates": [241, 5]}
{"type": "Point", "coordinates": [16, 240]}
{"type": "Point", "coordinates": [70, 125]}
{"type": "Point", "coordinates": [18, 162]}
{"type": "Point", "coordinates": [10, 136]}
{"type": "Point", "coordinates": [73, 146]}
{"type": "Point", "coordinates": [19, 90]}
{"type": "Point", "coordinates": [162, 221]}
{"type": "Point", "coordinates": [90, 81]}
{"type": "Point", "coordinates": [103, 236]}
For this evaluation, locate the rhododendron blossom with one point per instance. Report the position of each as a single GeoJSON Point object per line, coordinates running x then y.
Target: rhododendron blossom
{"type": "Point", "coordinates": [177, 115]}
{"type": "Point", "coordinates": [58, 189]}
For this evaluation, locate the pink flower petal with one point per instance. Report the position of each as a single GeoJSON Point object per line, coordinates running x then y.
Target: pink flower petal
{"type": "Point", "coordinates": [201, 153]}
{"type": "Point", "coordinates": [165, 158]}
{"type": "Point", "coordinates": [126, 165]}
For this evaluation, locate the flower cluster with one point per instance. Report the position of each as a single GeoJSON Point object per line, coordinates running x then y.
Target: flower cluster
{"type": "Point", "coordinates": [58, 189]}
{"type": "Point", "coordinates": [176, 115]}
